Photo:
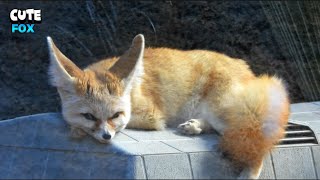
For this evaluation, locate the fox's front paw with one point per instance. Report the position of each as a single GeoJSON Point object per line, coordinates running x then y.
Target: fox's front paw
{"type": "Point", "coordinates": [191, 127]}
{"type": "Point", "coordinates": [77, 133]}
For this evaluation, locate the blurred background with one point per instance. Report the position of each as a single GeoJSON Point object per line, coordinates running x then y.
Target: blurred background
{"type": "Point", "coordinates": [275, 38]}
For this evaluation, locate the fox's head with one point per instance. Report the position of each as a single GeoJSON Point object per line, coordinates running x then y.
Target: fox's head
{"type": "Point", "coordinates": [96, 100]}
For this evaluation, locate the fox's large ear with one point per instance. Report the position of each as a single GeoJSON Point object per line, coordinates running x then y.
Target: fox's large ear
{"type": "Point", "coordinates": [130, 65]}
{"type": "Point", "coordinates": [62, 70]}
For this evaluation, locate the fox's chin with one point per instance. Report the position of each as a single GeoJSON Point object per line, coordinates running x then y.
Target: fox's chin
{"type": "Point", "coordinates": [104, 141]}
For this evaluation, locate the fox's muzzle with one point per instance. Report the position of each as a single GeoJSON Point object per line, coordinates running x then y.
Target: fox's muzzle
{"type": "Point", "coordinates": [106, 136]}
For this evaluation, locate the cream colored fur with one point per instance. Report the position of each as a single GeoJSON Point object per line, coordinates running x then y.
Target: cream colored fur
{"type": "Point", "coordinates": [155, 87]}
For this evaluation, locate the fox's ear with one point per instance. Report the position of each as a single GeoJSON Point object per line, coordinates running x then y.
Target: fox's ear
{"type": "Point", "coordinates": [62, 70]}
{"type": "Point", "coordinates": [130, 65]}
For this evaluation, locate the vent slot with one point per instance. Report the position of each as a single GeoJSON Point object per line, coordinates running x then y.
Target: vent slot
{"type": "Point", "coordinates": [298, 135]}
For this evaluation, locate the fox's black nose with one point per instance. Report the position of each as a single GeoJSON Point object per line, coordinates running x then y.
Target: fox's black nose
{"type": "Point", "coordinates": [106, 136]}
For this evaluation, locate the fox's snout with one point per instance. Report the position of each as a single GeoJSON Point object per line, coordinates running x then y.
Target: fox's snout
{"type": "Point", "coordinates": [103, 135]}
{"type": "Point", "coordinates": [106, 136]}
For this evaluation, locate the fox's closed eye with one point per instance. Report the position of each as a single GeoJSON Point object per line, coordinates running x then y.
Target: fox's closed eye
{"type": "Point", "coordinates": [89, 116]}
{"type": "Point", "coordinates": [116, 115]}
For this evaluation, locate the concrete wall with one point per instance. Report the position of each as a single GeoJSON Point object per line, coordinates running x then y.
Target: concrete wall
{"type": "Point", "coordinates": [39, 146]}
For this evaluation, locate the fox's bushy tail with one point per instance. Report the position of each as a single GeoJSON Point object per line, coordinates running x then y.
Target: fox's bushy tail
{"type": "Point", "coordinates": [256, 121]}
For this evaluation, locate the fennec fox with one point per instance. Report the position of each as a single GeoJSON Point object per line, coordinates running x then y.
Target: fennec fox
{"type": "Point", "coordinates": [153, 87]}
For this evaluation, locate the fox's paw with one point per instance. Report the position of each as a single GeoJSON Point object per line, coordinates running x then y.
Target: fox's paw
{"type": "Point", "coordinates": [77, 133]}
{"type": "Point", "coordinates": [191, 127]}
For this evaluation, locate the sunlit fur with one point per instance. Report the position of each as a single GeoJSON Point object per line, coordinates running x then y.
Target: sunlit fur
{"type": "Point", "coordinates": [156, 87]}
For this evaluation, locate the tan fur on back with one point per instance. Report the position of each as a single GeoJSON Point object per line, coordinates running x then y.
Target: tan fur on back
{"type": "Point", "coordinates": [171, 77]}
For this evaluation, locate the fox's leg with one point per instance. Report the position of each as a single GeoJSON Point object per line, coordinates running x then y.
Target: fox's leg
{"type": "Point", "coordinates": [147, 119]}
{"type": "Point", "coordinates": [194, 127]}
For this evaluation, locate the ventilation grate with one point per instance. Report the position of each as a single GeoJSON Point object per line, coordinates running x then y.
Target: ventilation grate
{"type": "Point", "coordinates": [298, 135]}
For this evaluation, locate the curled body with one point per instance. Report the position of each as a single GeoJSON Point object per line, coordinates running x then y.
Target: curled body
{"type": "Point", "coordinates": [196, 90]}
